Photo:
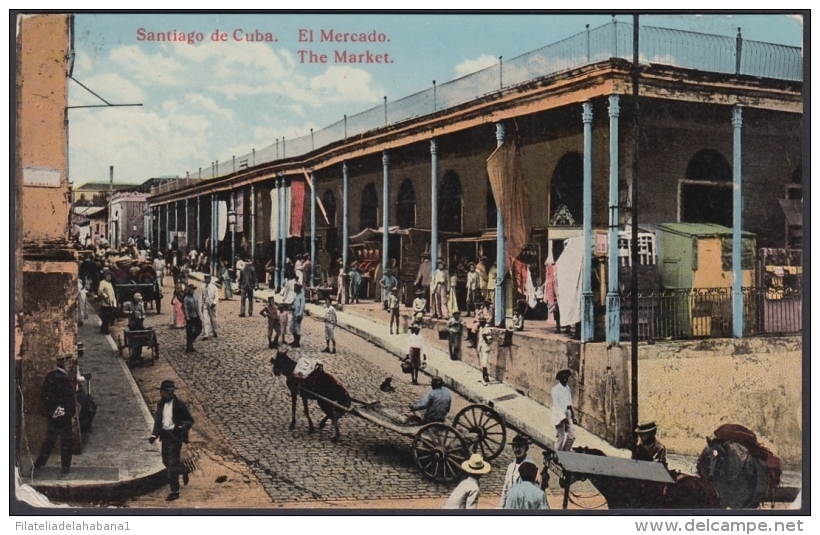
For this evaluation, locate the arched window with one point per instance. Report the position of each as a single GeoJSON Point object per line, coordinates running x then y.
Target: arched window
{"type": "Point", "coordinates": [329, 203]}
{"type": "Point", "coordinates": [449, 203]}
{"type": "Point", "coordinates": [567, 191]}
{"type": "Point", "coordinates": [797, 175]}
{"type": "Point", "coordinates": [492, 208]}
{"type": "Point", "coordinates": [369, 217]}
{"type": "Point", "coordinates": [706, 193]}
{"type": "Point", "coordinates": [406, 209]}
{"type": "Point", "coordinates": [794, 190]}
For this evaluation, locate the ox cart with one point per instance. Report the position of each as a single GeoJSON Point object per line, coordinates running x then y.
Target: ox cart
{"type": "Point", "coordinates": [439, 448]}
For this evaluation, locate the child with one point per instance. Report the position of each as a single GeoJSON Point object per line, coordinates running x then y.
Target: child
{"type": "Point", "coordinates": [272, 313]}
{"type": "Point", "coordinates": [454, 327]}
{"type": "Point", "coordinates": [393, 306]}
{"type": "Point", "coordinates": [419, 304]}
{"type": "Point", "coordinates": [284, 321]}
{"type": "Point", "coordinates": [485, 346]}
{"type": "Point", "coordinates": [517, 324]}
{"type": "Point", "coordinates": [330, 327]}
{"type": "Point", "coordinates": [415, 351]}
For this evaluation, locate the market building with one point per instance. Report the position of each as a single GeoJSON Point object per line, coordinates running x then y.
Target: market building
{"type": "Point", "coordinates": [549, 151]}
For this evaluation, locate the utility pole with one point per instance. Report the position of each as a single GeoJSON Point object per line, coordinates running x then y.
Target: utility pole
{"type": "Point", "coordinates": [634, 252]}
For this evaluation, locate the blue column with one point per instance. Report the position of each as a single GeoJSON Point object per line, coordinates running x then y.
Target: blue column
{"type": "Point", "coordinates": [613, 299]}
{"type": "Point", "coordinates": [198, 225]}
{"type": "Point", "coordinates": [345, 221]}
{"type": "Point", "coordinates": [280, 248]}
{"type": "Point", "coordinates": [187, 235]}
{"type": "Point", "coordinates": [433, 202]}
{"type": "Point", "coordinates": [737, 215]}
{"type": "Point", "coordinates": [233, 229]}
{"type": "Point", "coordinates": [214, 232]}
{"type": "Point", "coordinates": [275, 239]}
{"type": "Point", "coordinates": [312, 229]}
{"type": "Point", "coordinates": [176, 221]}
{"type": "Point", "coordinates": [500, 248]}
{"type": "Point", "coordinates": [167, 231]}
{"type": "Point", "coordinates": [253, 224]}
{"type": "Point", "coordinates": [167, 224]}
{"type": "Point", "coordinates": [385, 210]}
{"type": "Point", "coordinates": [587, 318]}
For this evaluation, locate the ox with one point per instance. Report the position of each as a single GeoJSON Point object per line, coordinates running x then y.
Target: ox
{"type": "Point", "coordinates": [324, 385]}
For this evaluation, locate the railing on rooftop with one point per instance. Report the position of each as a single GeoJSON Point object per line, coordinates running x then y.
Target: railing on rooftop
{"type": "Point", "coordinates": [690, 50]}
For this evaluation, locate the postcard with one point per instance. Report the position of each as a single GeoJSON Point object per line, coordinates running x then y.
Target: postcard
{"type": "Point", "coordinates": [344, 262]}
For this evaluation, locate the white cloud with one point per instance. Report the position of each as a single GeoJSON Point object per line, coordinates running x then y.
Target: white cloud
{"type": "Point", "coordinates": [472, 65]}
{"type": "Point", "coordinates": [154, 69]}
{"type": "Point", "coordinates": [345, 84]}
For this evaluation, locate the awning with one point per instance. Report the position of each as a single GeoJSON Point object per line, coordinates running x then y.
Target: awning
{"type": "Point", "coordinates": [372, 234]}
{"type": "Point", "coordinates": [793, 210]}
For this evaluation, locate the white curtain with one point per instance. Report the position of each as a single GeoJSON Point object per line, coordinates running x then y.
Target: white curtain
{"type": "Point", "coordinates": [568, 280]}
{"type": "Point", "coordinates": [222, 227]}
{"type": "Point", "coordinates": [274, 214]}
{"type": "Point", "coordinates": [288, 210]}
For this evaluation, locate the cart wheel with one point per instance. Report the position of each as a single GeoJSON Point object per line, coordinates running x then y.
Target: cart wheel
{"type": "Point", "coordinates": [487, 425]}
{"type": "Point", "coordinates": [439, 451]}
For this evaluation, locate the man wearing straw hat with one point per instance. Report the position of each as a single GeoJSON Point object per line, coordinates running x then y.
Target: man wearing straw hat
{"type": "Point", "coordinates": [61, 406]}
{"type": "Point", "coordinates": [172, 421]}
{"type": "Point", "coordinates": [465, 495]}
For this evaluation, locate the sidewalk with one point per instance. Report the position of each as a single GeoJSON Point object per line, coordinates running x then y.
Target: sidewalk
{"type": "Point", "coordinates": [116, 461]}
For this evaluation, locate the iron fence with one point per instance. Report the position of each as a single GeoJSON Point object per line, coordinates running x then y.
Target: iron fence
{"type": "Point", "coordinates": [707, 313]}
{"type": "Point", "coordinates": [664, 46]}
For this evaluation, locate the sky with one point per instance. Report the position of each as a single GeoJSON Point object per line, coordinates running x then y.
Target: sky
{"type": "Point", "coordinates": [233, 91]}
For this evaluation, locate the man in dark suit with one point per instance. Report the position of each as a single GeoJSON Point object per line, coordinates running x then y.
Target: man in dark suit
{"type": "Point", "coordinates": [172, 420]}
{"type": "Point", "coordinates": [60, 406]}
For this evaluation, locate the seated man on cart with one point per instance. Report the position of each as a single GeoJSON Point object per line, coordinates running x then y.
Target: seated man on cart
{"type": "Point", "coordinates": [435, 404]}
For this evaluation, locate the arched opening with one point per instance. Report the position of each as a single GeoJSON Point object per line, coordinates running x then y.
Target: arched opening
{"type": "Point", "coordinates": [406, 209]}
{"type": "Point", "coordinates": [369, 216]}
{"type": "Point", "coordinates": [329, 203]}
{"type": "Point", "coordinates": [706, 193]}
{"type": "Point", "coordinates": [567, 191]}
{"type": "Point", "coordinates": [449, 203]}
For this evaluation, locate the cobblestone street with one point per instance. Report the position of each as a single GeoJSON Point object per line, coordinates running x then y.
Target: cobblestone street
{"type": "Point", "coordinates": [232, 379]}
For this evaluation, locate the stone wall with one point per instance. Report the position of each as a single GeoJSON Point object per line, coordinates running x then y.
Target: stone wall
{"type": "Point", "coordinates": [691, 387]}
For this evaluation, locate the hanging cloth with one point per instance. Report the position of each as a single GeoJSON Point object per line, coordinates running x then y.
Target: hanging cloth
{"type": "Point", "coordinates": [550, 290]}
{"type": "Point", "coordinates": [297, 201]}
{"type": "Point", "coordinates": [531, 300]}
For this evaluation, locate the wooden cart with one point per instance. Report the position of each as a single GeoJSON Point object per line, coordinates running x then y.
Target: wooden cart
{"type": "Point", "coordinates": [144, 338]}
{"type": "Point", "coordinates": [439, 448]}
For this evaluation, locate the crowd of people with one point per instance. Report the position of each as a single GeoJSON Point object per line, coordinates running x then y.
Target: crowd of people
{"type": "Point", "coordinates": [195, 310]}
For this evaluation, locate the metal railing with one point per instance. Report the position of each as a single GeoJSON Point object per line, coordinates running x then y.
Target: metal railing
{"type": "Point", "coordinates": [690, 50]}
{"type": "Point", "coordinates": [707, 313]}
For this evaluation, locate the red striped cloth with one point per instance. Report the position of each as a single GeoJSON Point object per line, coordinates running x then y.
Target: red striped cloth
{"type": "Point", "coordinates": [297, 204]}
{"type": "Point", "coordinates": [550, 293]}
